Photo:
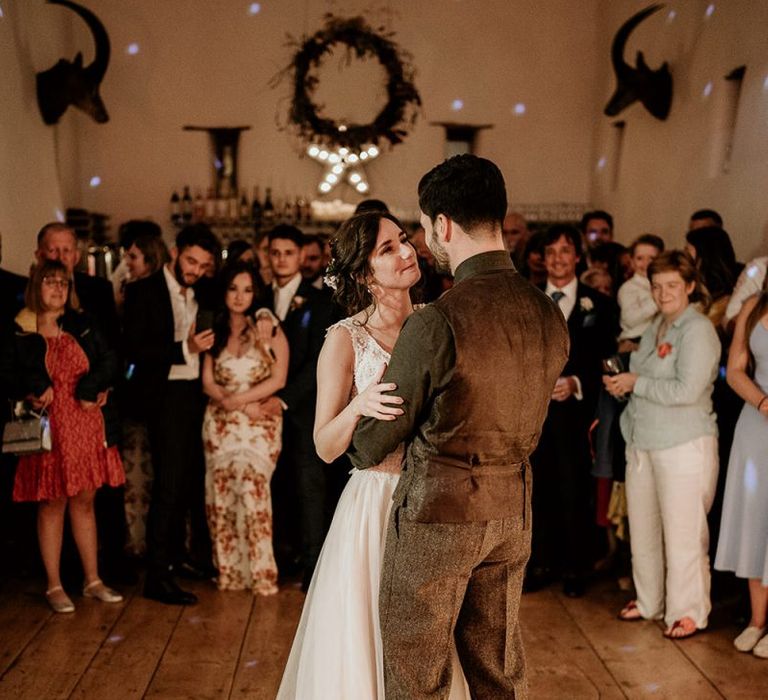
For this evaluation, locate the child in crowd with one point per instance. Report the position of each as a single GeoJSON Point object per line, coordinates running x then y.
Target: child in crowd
{"type": "Point", "coordinates": [635, 300]}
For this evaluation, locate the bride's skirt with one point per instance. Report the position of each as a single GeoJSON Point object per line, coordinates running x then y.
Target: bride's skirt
{"type": "Point", "coordinates": [336, 654]}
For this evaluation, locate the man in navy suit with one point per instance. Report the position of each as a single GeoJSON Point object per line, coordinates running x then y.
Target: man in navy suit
{"type": "Point", "coordinates": [301, 477]}
{"type": "Point", "coordinates": [163, 353]}
{"type": "Point", "coordinates": [562, 483]}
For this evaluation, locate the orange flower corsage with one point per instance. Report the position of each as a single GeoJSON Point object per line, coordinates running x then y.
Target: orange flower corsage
{"type": "Point", "coordinates": [664, 349]}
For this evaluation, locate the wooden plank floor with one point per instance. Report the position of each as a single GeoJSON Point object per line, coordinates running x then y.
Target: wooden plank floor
{"type": "Point", "coordinates": [232, 645]}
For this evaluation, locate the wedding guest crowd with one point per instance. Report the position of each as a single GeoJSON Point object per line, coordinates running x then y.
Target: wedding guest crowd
{"type": "Point", "coordinates": [215, 370]}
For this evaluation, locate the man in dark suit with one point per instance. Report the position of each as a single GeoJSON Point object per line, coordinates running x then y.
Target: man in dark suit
{"type": "Point", "coordinates": [58, 241]}
{"type": "Point", "coordinates": [305, 313]}
{"type": "Point", "coordinates": [562, 490]}
{"type": "Point", "coordinates": [163, 352]}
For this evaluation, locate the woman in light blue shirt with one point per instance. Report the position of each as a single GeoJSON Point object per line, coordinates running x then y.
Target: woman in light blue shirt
{"type": "Point", "coordinates": [671, 435]}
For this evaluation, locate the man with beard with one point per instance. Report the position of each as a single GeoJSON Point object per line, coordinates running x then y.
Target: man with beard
{"type": "Point", "coordinates": [313, 261]}
{"type": "Point", "coordinates": [475, 370]}
{"type": "Point", "coordinates": [163, 346]}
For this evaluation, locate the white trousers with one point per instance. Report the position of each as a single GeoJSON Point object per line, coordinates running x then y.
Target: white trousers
{"type": "Point", "coordinates": [669, 493]}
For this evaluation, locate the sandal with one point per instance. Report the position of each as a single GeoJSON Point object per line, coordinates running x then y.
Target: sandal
{"type": "Point", "coordinates": [97, 589]}
{"type": "Point", "coordinates": [681, 629]}
{"type": "Point", "coordinates": [59, 601]}
{"type": "Point", "coordinates": [630, 612]}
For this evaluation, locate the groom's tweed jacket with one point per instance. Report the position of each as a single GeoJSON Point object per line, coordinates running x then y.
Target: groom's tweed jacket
{"type": "Point", "coordinates": [476, 369]}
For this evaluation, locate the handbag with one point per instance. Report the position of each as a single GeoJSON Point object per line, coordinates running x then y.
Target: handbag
{"type": "Point", "coordinates": [28, 432]}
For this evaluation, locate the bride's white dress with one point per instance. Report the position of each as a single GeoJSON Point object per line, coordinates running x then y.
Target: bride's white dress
{"type": "Point", "coordinates": [336, 654]}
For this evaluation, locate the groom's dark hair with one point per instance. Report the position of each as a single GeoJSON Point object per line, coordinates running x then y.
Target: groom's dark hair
{"type": "Point", "coordinates": [468, 189]}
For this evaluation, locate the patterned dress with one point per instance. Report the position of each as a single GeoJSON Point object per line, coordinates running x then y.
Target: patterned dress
{"type": "Point", "coordinates": [79, 459]}
{"type": "Point", "coordinates": [240, 457]}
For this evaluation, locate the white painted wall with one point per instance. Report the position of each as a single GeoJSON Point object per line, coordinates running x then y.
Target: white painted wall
{"type": "Point", "coordinates": [666, 171]}
{"type": "Point", "coordinates": [210, 63]}
{"type": "Point", "coordinates": [30, 186]}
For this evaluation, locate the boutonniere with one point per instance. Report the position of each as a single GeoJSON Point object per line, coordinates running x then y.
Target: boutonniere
{"type": "Point", "coordinates": [297, 302]}
{"type": "Point", "coordinates": [586, 304]}
{"type": "Point", "coordinates": [664, 349]}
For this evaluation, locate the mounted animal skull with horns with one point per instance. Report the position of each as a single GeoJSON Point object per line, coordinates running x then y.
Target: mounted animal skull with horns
{"type": "Point", "coordinates": [652, 87]}
{"type": "Point", "coordinates": [71, 83]}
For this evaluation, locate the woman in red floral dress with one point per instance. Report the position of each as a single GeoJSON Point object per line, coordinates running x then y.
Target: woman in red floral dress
{"type": "Point", "coordinates": [58, 361]}
{"type": "Point", "coordinates": [241, 442]}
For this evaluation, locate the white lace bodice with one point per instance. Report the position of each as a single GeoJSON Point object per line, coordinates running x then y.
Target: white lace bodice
{"type": "Point", "coordinates": [369, 357]}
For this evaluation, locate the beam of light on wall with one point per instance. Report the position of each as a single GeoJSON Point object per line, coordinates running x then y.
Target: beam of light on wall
{"type": "Point", "coordinates": [457, 105]}
{"type": "Point", "coordinates": [1, 12]}
{"type": "Point", "coordinates": [254, 8]}
{"type": "Point", "coordinates": [132, 49]}
{"type": "Point", "coordinates": [708, 89]}
{"type": "Point", "coordinates": [519, 109]}
{"type": "Point", "coordinates": [710, 10]}
{"type": "Point", "coordinates": [59, 215]}
{"type": "Point", "coordinates": [95, 181]}
{"type": "Point", "coordinates": [671, 16]}
{"type": "Point", "coordinates": [602, 163]}
{"type": "Point", "coordinates": [765, 83]}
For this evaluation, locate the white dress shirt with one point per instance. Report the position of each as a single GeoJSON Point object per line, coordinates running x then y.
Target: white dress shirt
{"type": "Point", "coordinates": [638, 308]}
{"type": "Point", "coordinates": [750, 282]}
{"type": "Point", "coordinates": [284, 295]}
{"type": "Point", "coordinates": [184, 313]}
{"type": "Point", "coordinates": [566, 305]}
{"type": "Point", "coordinates": [568, 302]}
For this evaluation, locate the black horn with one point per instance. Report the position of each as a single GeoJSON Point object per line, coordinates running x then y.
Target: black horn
{"type": "Point", "coordinates": [69, 83]}
{"type": "Point", "coordinates": [653, 88]}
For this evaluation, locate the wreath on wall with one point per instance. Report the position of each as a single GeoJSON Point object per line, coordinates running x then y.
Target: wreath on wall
{"type": "Point", "coordinates": [398, 115]}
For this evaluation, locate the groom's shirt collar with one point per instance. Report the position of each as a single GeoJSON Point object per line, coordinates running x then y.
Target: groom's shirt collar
{"type": "Point", "coordinates": [483, 262]}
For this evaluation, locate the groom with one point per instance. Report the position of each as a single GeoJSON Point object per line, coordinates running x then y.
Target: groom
{"type": "Point", "coordinates": [476, 369]}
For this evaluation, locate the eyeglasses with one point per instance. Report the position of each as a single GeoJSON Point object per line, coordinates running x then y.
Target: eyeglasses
{"type": "Point", "coordinates": [56, 282]}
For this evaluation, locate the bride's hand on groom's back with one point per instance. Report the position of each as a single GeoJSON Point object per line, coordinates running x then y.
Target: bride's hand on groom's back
{"type": "Point", "coordinates": [375, 402]}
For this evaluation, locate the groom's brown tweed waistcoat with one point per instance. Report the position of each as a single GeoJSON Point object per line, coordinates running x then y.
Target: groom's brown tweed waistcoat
{"type": "Point", "coordinates": [467, 462]}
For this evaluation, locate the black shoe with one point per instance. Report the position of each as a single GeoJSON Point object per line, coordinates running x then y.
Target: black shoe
{"type": "Point", "coordinates": [165, 590]}
{"type": "Point", "coordinates": [573, 586]}
{"type": "Point", "coordinates": [195, 572]}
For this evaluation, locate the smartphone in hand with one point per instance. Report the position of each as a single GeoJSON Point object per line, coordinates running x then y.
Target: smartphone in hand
{"type": "Point", "coordinates": [204, 321]}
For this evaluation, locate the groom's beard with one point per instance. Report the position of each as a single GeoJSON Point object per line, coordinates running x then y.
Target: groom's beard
{"type": "Point", "coordinates": [442, 262]}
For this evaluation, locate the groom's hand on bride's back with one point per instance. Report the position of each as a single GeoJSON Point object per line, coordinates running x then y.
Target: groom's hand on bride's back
{"type": "Point", "coordinates": [374, 402]}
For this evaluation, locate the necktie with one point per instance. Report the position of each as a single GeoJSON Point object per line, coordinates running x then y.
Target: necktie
{"type": "Point", "coordinates": [557, 296]}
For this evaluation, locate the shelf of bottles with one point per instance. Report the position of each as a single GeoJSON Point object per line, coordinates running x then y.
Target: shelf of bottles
{"type": "Point", "coordinates": [236, 215]}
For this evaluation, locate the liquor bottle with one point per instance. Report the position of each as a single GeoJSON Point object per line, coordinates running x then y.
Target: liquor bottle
{"type": "Point", "coordinates": [256, 211]}
{"type": "Point", "coordinates": [289, 214]}
{"type": "Point", "coordinates": [186, 205]}
{"type": "Point", "coordinates": [245, 208]}
{"type": "Point", "coordinates": [233, 206]}
{"type": "Point", "coordinates": [268, 210]}
{"type": "Point", "coordinates": [175, 208]}
{"type": "Point", "coordinates": [198, 207]}
{"type": "Point", "coordinates": [210, 206]}
{"type": "Point", "coordinates": [222, 203]}
{"type": "Point", "coordinates": [299, 209]}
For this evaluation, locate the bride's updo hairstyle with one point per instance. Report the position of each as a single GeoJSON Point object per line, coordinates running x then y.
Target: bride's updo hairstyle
{"type": "Point", "coordinates": [349, 273]}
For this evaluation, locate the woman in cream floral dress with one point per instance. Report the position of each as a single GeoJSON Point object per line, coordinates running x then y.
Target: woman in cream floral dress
{"type": "Point", "coordinates": [241, 441]}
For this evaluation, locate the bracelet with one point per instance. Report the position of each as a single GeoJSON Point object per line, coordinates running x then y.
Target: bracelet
{"type": "Point", "coordinates": [762, 401]}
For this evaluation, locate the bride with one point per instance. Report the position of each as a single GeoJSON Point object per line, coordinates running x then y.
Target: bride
{"type": "Point", "coordinates": [337, 649]}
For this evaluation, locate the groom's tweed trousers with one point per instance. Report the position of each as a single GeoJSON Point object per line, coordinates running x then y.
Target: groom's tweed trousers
{"type": "Point", "coordinates": [476, 370]}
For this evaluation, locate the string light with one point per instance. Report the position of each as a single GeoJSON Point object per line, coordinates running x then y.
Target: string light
{"type": "Point", "coordinates": [95, 181]}
{"type": "Point", "coordinates": [132, 49]}
{"type": "Point", "coordinates": [341, 164]}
